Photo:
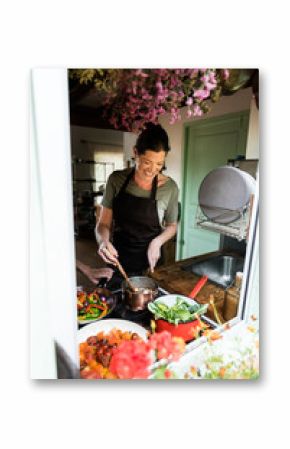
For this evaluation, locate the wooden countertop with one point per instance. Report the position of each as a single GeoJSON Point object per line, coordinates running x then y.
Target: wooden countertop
{"type": "Point", "coordinates": [176, 280]}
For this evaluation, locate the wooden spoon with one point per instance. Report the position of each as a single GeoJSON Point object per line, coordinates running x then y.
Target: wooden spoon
{"type": "Point", "coordinates": [124, 274]}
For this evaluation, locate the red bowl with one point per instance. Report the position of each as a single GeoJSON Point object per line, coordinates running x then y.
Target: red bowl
{"type": "Point", "coordinates": [187, 331]}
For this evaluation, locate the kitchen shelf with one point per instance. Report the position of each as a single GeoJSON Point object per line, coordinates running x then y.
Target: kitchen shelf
{"type": "Point", "coordinates": [238, 229]}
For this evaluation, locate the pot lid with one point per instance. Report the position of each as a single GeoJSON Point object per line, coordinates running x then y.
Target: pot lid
{"type": "Point", "coordinates": [224, 194]}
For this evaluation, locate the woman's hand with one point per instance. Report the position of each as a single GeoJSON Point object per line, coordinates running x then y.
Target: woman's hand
{"type": "Point", "coordinates": [95, 274]}
{"type": "Point", "coordinates": [108, 252]}
{"type": "Point", "coordinates": [154, 252]}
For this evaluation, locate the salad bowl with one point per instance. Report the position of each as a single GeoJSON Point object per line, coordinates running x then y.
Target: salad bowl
{"type": "Point", "coordinates": [178, 315]}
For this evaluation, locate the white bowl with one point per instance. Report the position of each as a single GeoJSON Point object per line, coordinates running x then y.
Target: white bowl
{"type": "Point", "coordinates": [170, 300]}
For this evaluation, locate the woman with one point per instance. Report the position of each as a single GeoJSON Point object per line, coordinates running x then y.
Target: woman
{"type": "Point", "coordinates": [141, 204]}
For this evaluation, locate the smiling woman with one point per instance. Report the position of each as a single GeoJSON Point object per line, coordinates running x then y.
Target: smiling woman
{"type": "Point", "coordinates": [148, 165]}
{"type": "Point", "coordinates": [143, 205]}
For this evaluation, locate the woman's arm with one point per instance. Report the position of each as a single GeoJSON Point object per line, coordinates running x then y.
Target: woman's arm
{"type": "Point", "coordinates": [103, 228]}
{"type": "Point", "coordinates": [154, 249]}
{"type": "Point", "coordinates": [103, 231]}
{"type": "Point", "coordinates": [94, 274]}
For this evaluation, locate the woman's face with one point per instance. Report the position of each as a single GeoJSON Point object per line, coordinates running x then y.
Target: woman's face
{"type": "Point", "coordinates": [150, 163]}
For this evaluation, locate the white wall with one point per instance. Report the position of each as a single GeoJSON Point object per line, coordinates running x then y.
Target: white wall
{"type": "Point", "coordinates": [105, 137]}
{"type": "Point", "coordinates": [43, 357]}
{"type": "Point", "coordinates": [253, 135]}
{"type": "Point", "coordinates": [129, 143]}
{"type": "Point", "coordinates": [100, 145]}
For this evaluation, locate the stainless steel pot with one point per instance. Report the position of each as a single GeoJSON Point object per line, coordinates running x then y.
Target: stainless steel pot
{"type": "Point", "coordinates": [146, 291]}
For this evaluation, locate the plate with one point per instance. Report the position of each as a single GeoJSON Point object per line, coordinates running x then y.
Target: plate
{"type": "Point", "coordinates": [107, 325]}
{"type": "Point", "coordinates": [224, 194]}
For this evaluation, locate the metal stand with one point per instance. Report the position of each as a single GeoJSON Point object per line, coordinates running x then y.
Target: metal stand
{"type": "Point", "coordinates": [238, 229]}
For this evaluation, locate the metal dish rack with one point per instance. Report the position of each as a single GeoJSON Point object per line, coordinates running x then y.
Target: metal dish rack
{"type": "Point", "coordinates": [237, 229]}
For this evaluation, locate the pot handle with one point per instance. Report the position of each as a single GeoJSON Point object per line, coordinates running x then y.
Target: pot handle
{"type": "Point", "coordinates": [102, 282]}
{"type": "Point", "coordinates": [198, 287]}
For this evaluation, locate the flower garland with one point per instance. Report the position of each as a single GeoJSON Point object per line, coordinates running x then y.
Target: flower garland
{"type": "Point", "coordinates": [132, 97]}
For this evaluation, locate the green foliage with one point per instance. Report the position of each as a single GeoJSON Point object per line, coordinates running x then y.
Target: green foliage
{"type": "Point", "coordinates": [180, 312]}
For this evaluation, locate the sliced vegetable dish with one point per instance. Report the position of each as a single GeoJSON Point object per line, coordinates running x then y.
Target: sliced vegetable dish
{"type": "Point", "coordinates": [91, 306]}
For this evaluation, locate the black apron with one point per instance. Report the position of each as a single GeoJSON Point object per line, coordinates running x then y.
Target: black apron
{"type": "Point", "coordinates": [136, 223]}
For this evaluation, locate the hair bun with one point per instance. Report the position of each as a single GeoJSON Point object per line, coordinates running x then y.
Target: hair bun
{"type": "Point", "coordinates": [153, 137]}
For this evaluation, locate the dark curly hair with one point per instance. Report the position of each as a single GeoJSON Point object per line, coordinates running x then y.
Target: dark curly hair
{"type": "Point", "coordinates": [153, 138]}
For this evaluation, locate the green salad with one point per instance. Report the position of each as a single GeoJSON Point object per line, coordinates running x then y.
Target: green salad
{"type": "Point", "coordinates": [180, 312]}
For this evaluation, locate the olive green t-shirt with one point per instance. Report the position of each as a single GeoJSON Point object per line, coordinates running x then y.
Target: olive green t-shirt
{"type": "Point", "coordinates": [166, 195]}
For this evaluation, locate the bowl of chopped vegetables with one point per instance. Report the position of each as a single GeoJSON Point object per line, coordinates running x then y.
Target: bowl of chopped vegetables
{"type": "Point", "coordinates": [178, 315]}
{"type": "Point", "coordinates": [95, 305]}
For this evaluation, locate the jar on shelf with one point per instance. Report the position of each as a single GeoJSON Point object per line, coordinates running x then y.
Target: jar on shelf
{"type": "Point", "coordinates": [232, 297]}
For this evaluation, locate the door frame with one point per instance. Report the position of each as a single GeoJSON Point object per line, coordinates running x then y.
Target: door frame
{"type": "Point", "coordinates": [53, 313]}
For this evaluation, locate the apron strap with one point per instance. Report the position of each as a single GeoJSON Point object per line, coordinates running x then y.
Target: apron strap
{"type": "Point", "coordinates": [127, 180]}
{"type": "Point", "coordinates": [154, 188]}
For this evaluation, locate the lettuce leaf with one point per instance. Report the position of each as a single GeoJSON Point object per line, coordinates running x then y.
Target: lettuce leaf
{"type": "Point", "coordinates": [180, 312]}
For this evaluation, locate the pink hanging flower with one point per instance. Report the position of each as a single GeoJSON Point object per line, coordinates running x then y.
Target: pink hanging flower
{"type": "Point", "coordinates": [212, 77]}
{"type": "Point", "coordinates": [189, 113]}
{"type": "Point", "coordinates": [209, 81]}
{"type": "Point", "coordinates": [134, 87]}
{"type": "Point", "coordinates": [139, 95]}
{"type": "Point", "coordinates": [201, 94]}
{"type": "Point", "coordinates": [140, 72]}
{"type": "Point", "coordinates": [193, 73]}
{"type": "Point", "coordinates": [210, 86]}
{"type": "Point", "coordinates": [197, 111]}
{"type": "Point", "coordinates": [159, 85]}
{"type": "Point", "coordinates": [226, 74]}
{"type": "Point", "coordinates": [204, 79]}
{"type": "Point", "coordinates": [189, 101]}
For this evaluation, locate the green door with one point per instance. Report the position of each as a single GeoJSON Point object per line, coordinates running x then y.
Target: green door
{"type": "Point", "coordinates": [208, 144]}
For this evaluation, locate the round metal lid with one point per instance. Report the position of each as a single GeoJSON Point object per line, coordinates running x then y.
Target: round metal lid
{"type": "Point", "coordinates": [224, 193]}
